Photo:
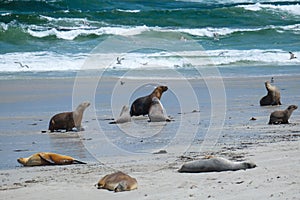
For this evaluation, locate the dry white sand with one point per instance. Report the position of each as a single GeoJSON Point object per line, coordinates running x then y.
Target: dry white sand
{"type": "Point", "coordinates": [277, 176]}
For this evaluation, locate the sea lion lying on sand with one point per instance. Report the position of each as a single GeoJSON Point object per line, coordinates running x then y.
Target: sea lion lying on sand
{"type": "Point", "coordinates": [47, 158]}
{"type": "Point", "coordinates": [68, 120]}
{"type": "Point", "coordinates": [142, 105]}
{"type": "Point", "coordinates": [282, 116]}
{"type": "Point", "coordinates": [272, 97]}
{"type": "Point", "coordinates": [157, 112]}
{"type": "Point", "coordinates": [117, 182]}
{"type": "Point", "coordinates": [124, 116]}
{"type": "Point", "coordinates": [214, 164]}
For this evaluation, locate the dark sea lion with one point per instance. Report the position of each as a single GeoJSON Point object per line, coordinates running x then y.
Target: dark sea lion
{"type": "Point", "coordinates": [282, 116]}
{"type": "Point", "coordinates": [117, 182]}
{"type": "Point", "coordinates": [157, 112]}
{"type": "Point", "coordinates": [273, 96]}
{"type": "Point", "coordinates": [141, 105]}
{"type": "Point", "coordinates": [47, 158]}
{"type": "Point", "coordinates": [68, 120]}
{"type": "Point", "coordinates": [124, 116]}
{"type": "Point", "coordinates": [215, 165]}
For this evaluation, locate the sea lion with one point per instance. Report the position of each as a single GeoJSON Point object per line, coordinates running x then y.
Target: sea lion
{"type": "Point", "coordinates": [47, 158]}
{"type": "Point", "coordinates": [215, 164]}
{"type": "Point", "coordinates": [117, 182]}
{"type": "Point", "coordinates": [157, 112]}
{"type": "Point", "coordinates": [273, 96]}
{"type": "Point", "coordinates": [141, 105]}
{"type": "Point", "coordinates": [124, 116]}
{"type": "Point", "coordinates": [282, 116]}
{"type": "Point", "coordinates": [68, 120]}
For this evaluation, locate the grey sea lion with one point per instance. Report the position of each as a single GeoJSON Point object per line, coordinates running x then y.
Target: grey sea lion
{"type": "Point", "coordinates": [48, 158]}
{"type": "Point", "coordinates": [142, 105]}
{"type": "Point", "coordinates": [117, 182]}
{"type": "Point", "coordinates": [124, 116]}
{"type": "Point", "coordinates": [282, 116]}
{"type": "Point", "coordinates": [157, 112]}
{"type": "Point", "coordinates": [272, 97]}
{"type": "Point", "coordinates": [215, 164]}
{"type": "Point", "coordinates": [68, 120]}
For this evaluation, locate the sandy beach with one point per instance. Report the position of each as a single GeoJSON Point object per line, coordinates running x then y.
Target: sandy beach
{"type": "Point", "coordinates": [275, 149]}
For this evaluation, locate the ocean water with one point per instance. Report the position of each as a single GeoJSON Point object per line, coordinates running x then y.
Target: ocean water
{"type": "Point", "coordinates": [238, 37]}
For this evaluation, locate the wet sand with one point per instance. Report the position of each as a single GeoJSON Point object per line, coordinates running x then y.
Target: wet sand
{"type": "Point", "coordinates": [273, 148]}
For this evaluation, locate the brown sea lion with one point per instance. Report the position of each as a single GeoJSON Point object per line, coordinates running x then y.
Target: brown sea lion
{"type": "Point", "coordinates": [282, 116]}
{"type": "Point", "coordinates": [273, 96]}
{"type": "Point", "coordinates": [68, 120]}
{"type": "Point", "coordinates": [47, 158]}
{"type": "Point", "coordinates": [157, 112]}
{"type": "Point", "coordinates": [141, 105]}
{"type": "Point", "coordinates": [215, 164]}
{"type": "Point", "coordinates": [117, 182]}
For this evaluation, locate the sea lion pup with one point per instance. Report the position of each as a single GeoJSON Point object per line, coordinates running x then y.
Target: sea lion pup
{"type": "Point", "coordinates": [282, 116]}
{"type": "Point", "coordinates": [124, 116]}
{"type": "Point", "coordinates": [47, 158]}
{"type": "Point", "coordinates": [141, 105]}
{"type": "Point", "coordinates": [117, 182]}
{"type": "Point", "coordinates": [157, 112]}
{"type": "Point", "coordinates": [68, 120]}
{"type": "Point", "coordinates": [273, 96]}
{"type": "Point", "coordinates": [215, 164]}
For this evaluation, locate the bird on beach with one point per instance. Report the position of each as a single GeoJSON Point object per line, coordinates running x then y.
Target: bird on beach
{"type": "Point", "coordinates": [272, 80]}
{"type": "Point", "coordinates": [292, 55]}
{"type": "Point", "coordinates": [119, 60]}
{"type": "Point", "coordinates": [21, 65]}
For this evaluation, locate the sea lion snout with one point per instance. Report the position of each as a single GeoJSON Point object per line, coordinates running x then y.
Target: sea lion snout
{"type": "Point", "coordinates": [164, 88]}
{"type": "Point", "coordinates": [250, 165]}
{"type": "Point", "coordinates": [20, 160]}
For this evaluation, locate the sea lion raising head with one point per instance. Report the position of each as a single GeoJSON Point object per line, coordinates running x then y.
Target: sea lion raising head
{"type": "Point", "coordinates": [47, 158]}
{"type": "Point", "coordinates": [124, 116]}
{"type": "Point", "coordinates": [68, 120]}
{"type": "Point", "coordinates": [282, 116]}
{"type": "Point", "coordinates": [215, 164]}
{"type": "Point", "coordinates": [272, 97]}
{"type": "Point", "coordinates": [142, 105]}
{"type": "Point", "coordinates": [117, 182]}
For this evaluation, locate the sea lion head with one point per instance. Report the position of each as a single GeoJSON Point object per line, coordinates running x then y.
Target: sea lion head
{"type": "Point", "coordinates": [163, 88]}
{"type": "Point", "coordinates": [85, 104]}
{"type": "Point", "coordinates": [155, 100]}
{"type": "Point", "coordinates": [292, 107]}
{"type": "Point", "coordinates": [249, 165]}
{"type": "Point", "coordinates": [158, 91]}
{"type": "Point", "coordinates": [22, 161]}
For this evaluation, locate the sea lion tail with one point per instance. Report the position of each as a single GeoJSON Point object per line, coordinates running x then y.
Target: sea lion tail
{"type": "Point", "coordinates": [114, 122]}
{"type": "Point", "coordinates": [79, 162]}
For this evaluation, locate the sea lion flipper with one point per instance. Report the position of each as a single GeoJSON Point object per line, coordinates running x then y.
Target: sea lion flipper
{"type": "Point", "coordinates": [78, 162]}
{"type": "Point", "coordinates": [49, 161]}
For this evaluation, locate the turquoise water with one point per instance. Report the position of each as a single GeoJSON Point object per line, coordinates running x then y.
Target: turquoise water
{"type": "Point", "coordinates": [58, 35]}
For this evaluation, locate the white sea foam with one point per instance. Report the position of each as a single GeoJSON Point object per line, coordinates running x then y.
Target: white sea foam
{"type": "Point", "coordinates": [40, 61]}
{"type": "Point", "coordinates": [291, 9]}
{"type": "Point", "coordinates": [129, 11]}
{"type": "Point", "coordinates": [71, 33]}
{"type": "Point", "coordinates": [49, 61]}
